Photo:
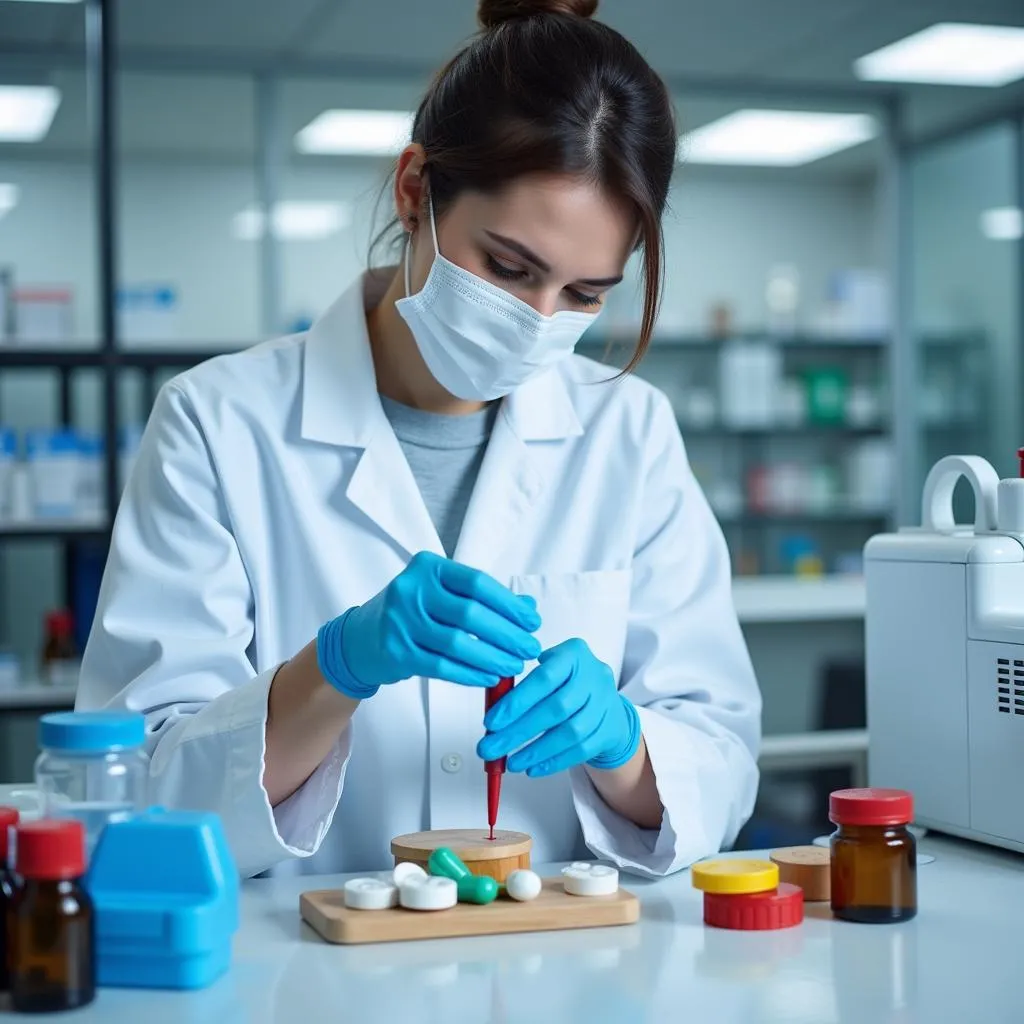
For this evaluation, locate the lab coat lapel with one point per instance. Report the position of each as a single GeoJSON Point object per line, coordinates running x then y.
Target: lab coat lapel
{"type": "Point", "coordinates": [513, 475]}
{"type": "Point", "coordinates": [340, 406]}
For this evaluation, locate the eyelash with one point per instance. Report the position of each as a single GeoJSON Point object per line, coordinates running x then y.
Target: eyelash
{"type": "Point", "coordinates": [499, 270]}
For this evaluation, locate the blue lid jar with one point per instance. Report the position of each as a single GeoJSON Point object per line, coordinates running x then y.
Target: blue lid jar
{"type": "Point", "coordinates": [92, 732]}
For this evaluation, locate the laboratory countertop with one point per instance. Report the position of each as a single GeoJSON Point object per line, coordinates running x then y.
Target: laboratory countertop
{"type": "Point", "coordinates": [959, 960]}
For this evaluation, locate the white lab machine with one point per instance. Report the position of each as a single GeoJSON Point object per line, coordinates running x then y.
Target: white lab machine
{"type": "Point", "coordinates": [945, 657]}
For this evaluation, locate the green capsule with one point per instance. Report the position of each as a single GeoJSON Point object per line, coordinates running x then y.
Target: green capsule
{"type": "Point", "coordinates": [472, 888]}
{"type": "Point", "coordinates": [445, 862]}
{"type": "Point", "coordinates": [477, 889]}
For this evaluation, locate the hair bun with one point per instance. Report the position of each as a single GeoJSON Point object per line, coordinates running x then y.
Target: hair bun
{"type": "Point", "coordinates": [492, 13]}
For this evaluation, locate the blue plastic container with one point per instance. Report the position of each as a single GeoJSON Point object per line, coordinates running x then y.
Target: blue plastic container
{"type": "Point", "coordinates": [165, 888]}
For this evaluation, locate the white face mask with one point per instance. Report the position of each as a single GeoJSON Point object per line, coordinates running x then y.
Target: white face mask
{"type": "Point", "coordinates": [479, 341]}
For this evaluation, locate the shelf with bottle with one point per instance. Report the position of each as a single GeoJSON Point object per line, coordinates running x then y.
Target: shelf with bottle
{"type": "Point", "coordinates": [795, 517]}
{"type": "Point", "coordinates": [29, 357]}
{"type": "Point", "coordinates": [710, 343]}
{"type": "Point", "coordinates": [52, 481]}
{"type": "Point", "coordinates": [785, 430]}
{"type": "Point", "coordinates": [59, 667]}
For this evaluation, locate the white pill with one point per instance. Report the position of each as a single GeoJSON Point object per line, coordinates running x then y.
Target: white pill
{"type": "Point", "coordinates": [428, 893]}
{"type": "Point", "coordinates": [370, 894]}
{"type": "Point", "coordinates": [523, 885]}
{"type": "Point", "coordinates": [406, 870]}
{"type": "Point", "coordinates": [582, 879]}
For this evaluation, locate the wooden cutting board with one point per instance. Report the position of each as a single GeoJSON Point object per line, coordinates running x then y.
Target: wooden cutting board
{"type": "Point", "coordinates": [552, 910]}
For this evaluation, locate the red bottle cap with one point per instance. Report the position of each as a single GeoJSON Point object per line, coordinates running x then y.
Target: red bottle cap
{"type": "Point", "coordinates": [8, 816]}
{"type": "Point", "coordinates": [50, 849]}
{"type": "Point", "coordinates": [60, 623]}
{"type": "Point", "coordinates": [871, 807]}
{"type": "Point", "coordinates": [756, 911]}
{"type": "Point", "coordinates": [1020, 455]}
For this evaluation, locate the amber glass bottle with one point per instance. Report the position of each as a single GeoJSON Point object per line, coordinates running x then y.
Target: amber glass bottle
{"type": "Point", "coordinates": [51, 926]}
{"type": "Point", "coordinates": [8, 818]}
{"type": "Point", "coordinates": [874, 856]}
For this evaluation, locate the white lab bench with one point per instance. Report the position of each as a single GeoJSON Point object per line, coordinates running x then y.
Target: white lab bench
{"type": "Point", "coordinates": [958, 961]}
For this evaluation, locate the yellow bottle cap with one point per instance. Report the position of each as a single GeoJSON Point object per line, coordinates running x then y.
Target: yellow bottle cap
{"type": "Point", "coordinates": [733, 877]}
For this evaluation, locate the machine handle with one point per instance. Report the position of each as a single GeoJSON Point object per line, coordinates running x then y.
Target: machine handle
{"type": "Point", "coordinates": [937, 504]}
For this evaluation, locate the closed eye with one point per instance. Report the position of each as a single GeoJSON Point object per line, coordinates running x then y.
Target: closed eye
{"type": "Point", "coordinates": [507, 273]}
{"type": "Point", "coordinates": [583, 299]}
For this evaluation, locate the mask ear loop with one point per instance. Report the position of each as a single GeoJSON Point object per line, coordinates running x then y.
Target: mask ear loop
{"type": "Point", "coordinates": [408, 245]}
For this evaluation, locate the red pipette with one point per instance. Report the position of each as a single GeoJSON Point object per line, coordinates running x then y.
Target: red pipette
{"type": "Point", "coordinates": [495, 769]}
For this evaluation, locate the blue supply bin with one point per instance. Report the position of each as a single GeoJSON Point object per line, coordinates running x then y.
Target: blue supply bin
{"type": "Point", "coordinates": [166, 889]}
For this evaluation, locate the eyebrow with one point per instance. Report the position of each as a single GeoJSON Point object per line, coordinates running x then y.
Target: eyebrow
{"type": "Point", "coordinates": [532, 257]}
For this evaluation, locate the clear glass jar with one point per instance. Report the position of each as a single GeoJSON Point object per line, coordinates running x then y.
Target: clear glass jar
{"type": "Point", "coordinates": [93, 767]}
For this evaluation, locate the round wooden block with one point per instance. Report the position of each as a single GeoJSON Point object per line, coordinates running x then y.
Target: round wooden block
{"type": "Point", "coordinates": [808, 867]}
{"type": "Point", "coordinates": [498, 858]}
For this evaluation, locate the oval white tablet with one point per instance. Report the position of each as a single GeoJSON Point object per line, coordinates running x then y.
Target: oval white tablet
{"type": "Point", "coordinates": [406, 870]}
{"type": "Point", "coordinates": [523, 885]}
{"type": "Point", "coordinates": [582, 879]}
{"type": "Point", "coordinates": [370, 894]}
{"type": "Point", "coordinates": [428, 893]}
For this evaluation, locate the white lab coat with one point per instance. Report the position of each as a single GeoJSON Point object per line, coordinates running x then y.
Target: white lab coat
{"type": "Point", "coordinates": [270, 494]}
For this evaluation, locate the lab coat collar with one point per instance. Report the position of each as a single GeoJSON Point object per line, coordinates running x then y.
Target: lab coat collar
{"type": "Point", "coordinates": [542, 409]}
{"type": "Point", "coordinates": [339, 388]}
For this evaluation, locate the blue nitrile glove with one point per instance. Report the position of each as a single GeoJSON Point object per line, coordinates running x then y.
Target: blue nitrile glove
{"type": "Point", "coordinates": [571, 704]}
{"type": "Point", "coordinates": [437, 618]}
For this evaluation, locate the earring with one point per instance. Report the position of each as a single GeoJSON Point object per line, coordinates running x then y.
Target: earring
{"type": "Point", "coordinates": [411, 221]}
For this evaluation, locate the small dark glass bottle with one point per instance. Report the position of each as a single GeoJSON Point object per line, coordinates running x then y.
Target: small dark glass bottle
{"type": "Point", "coordinates": [874, 856]}
{"type": "Point", "coordinates": [51, 925]}
{"type": "Point", "coordinates": [8, 818]}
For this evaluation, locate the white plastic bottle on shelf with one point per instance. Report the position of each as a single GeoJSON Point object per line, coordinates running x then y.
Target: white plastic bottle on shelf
{"type": "Point", "coordinates": [22, 503]}
{"type": "Point", "coordinates": [8, 458]}
{"type": "Point", "coordinates": [54, 464]}
{"type": "Point", "coordinates": [90, 479]}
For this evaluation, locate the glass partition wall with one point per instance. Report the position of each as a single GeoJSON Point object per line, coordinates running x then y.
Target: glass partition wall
{"type": "Point", "coordinates": [967, 301]}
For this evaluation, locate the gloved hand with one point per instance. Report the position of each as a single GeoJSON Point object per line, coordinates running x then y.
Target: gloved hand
{"type": "Point", "coordinates": [571, 704]}
{"type": "Point", "coordinates": [437, 618]}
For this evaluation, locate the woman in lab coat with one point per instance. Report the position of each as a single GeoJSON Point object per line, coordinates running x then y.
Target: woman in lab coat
{"type": "Point", "coordinates": [331, 543]}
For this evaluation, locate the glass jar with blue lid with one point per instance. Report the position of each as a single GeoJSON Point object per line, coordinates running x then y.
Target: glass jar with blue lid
{"type": "Point", "coordinates": [93, 767]}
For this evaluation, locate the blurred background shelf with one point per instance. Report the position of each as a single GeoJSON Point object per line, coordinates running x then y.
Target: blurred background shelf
{"type": "Point", "coordinates": [53, 529]}
{"type": "Point", "coordinates": [778, 599]}
{"type": "Point", "coordinates": [825, 748]}
{"type": "Point", "coordinates": [36, 696]}
{"type": "Point", "coordinates": [29, 358]}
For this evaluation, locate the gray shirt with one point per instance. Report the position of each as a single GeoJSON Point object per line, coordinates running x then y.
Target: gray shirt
{"type": "Point", "coordinates": [445, 454]}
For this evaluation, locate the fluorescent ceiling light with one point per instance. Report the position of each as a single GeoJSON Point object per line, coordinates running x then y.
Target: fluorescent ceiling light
{"type": "Point", "coordinates": [356, 132]}
{"type": "Point", "coordinates": [781, 138]}
{"type": "Point", "coordinates": [296, 220]}
{"type": "Point", "coordinates": [1003, 223]}
{"type": "Point", "coordinates": [949, 53]}
{"type": "Point", "coordinates": [26, 111]}
{"type": "Point", "coordinates": [8, 198]}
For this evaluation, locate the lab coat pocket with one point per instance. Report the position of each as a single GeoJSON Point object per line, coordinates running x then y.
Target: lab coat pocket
{"type": "Point", "coordinates": [593, 606]}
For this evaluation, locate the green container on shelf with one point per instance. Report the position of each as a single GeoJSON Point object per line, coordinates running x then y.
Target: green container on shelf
{"type": "Point", "coordinates": [826, 394]}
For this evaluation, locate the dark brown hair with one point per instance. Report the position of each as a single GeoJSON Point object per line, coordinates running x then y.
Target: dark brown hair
{"type": "Point", "coordinates": [543, 89]}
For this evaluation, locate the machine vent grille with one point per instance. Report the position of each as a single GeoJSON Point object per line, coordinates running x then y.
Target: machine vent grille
{"type": "Point", "coordinates": [1010, 686]}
